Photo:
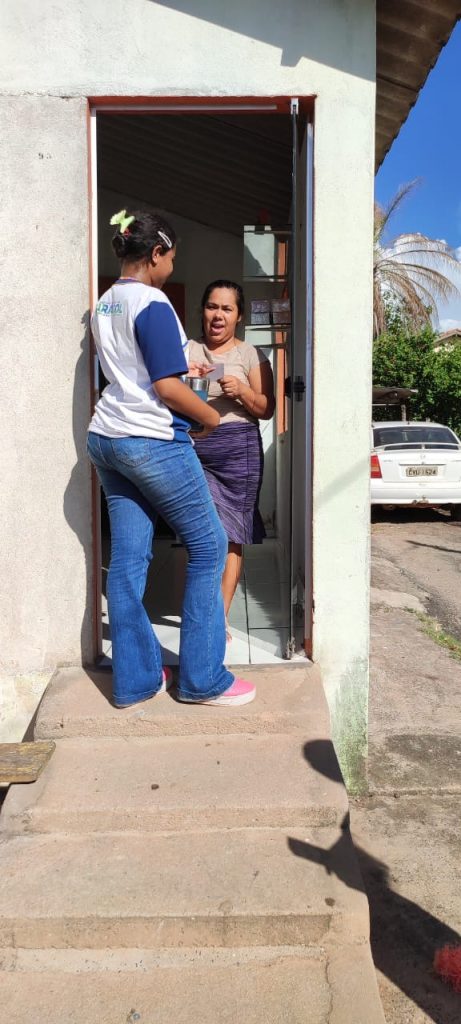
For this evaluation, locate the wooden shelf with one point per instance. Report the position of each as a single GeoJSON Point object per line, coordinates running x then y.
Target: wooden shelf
{"type": "Point", "coordinates": [271, 278]}
{"type": "Point", "coordinates": [268, 327]}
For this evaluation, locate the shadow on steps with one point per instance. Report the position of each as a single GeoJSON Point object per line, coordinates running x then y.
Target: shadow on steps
{"type": "Point", "coordinates": [404, 936]}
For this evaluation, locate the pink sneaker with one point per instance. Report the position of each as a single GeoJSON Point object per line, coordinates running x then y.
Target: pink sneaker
{"type": "Point", "coordinates": [167, 681]}
{"type": "Point", "coordinates": [241, 692]}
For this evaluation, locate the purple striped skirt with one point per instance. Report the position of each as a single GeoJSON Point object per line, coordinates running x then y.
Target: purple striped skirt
{"type": "Point", "coordinates": [233, 461]}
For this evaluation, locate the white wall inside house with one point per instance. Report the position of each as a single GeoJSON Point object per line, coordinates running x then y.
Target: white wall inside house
{"type": "Point", "coordinates": [176, 48]}
{"type": "Point", "coordinates": [203, 254]}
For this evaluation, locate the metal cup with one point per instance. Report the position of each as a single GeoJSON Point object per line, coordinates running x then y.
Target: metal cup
{"type": "Point", "coordinates": [200, 385]}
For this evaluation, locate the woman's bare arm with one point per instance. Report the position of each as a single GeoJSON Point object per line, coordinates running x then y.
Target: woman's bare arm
{"type": "Point", "coordinates": [257, 397]}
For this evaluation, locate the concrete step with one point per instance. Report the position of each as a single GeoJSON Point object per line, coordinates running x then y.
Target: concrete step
{"type": "Point", "coordinates": [290, 699]}
{"type": "Point", "coordinates": [184, 863]}
{"type": "Point", "coordinates": [257, 986]}
{"type": "Point", "coordinates": [239, 887]}
{"type": "Point", "coordinates": [162, 784]}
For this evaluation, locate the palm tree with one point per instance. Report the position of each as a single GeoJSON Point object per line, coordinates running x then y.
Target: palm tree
{"type": "Point", "coordinates": [405, 270]}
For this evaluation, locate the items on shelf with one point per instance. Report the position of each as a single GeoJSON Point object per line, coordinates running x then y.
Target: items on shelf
{"type": "Point", "coordinates": [280, 311]}
{"type": "Point", "coordinates": [270, 313]}
{"type": "Point", "coordinates": [260, 312]}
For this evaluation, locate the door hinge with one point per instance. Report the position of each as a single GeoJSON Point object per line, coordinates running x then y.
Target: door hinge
{"type": "Point", "coordinates": [290, 649]}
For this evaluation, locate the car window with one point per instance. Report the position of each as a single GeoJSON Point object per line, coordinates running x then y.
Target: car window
{"type": "Point", "coordinates": [410, 436]}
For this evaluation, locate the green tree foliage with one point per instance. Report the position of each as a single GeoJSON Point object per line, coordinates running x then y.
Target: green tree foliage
{"type": "Point", "coordinates": [403, 357]}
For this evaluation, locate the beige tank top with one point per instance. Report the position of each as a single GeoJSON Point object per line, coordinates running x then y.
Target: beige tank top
{"type": "Point", "coordinates": [238, 362]}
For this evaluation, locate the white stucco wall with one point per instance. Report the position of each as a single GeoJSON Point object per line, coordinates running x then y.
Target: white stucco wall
{"type": "Point", "coordinates": [342, 413]}
{"type": "Point", "coordinates": [183, 47]}
{"type": "Point", "coordinates": [45, 547]}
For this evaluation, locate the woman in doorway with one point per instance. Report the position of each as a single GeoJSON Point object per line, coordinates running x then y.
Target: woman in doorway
{"type": "Point", "coordinates": [139, 443]}
{"type": "Point", "coordinates": [232, 455]}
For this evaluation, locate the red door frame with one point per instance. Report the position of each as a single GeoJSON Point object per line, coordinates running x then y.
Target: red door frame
{"type": "Point", "coordinates": [143, 105]}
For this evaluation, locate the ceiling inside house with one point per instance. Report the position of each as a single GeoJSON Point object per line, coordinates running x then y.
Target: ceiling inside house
{"type": "Point", "coordinates": [409, 37]}
{"type": "Point", "coordinates": [221, 171]}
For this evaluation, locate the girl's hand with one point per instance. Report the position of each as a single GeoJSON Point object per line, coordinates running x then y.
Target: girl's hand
{"type": "Point", "coordinates": [198, 435]}
{"type": "Point", "coordinates": [199, 369]}
{"type": "Point", "coordinates": [214, 420]}
{"type": "Point", "coordinates": [231, 387]}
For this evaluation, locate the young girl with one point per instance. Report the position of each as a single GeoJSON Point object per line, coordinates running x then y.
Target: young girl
{"type": "Point", "coordinates": [139, 443]}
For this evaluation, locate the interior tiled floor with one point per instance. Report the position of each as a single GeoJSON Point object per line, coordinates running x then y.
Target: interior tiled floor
{"type": "Point", "coordinates": [259, 616]}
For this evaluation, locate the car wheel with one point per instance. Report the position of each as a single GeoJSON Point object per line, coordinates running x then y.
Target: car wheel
{"type": "Point", "coordinates": [456, 513]}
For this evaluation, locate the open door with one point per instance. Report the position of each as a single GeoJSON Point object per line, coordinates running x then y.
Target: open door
{"type": "Point", "coordinates": [300, 389]}
{"type": "Point", "coordinates": [271, 197]}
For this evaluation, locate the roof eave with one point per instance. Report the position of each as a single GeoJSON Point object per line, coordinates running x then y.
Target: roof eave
{"type": "Point", "coordinates": [409, 37]}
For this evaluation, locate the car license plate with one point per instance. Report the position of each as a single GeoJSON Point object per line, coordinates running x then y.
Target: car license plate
{"type": "Point", "coordinates": [422, 470]}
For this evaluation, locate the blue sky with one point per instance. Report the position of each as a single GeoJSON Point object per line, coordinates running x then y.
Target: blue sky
{"type": "Point", "coordinates": [428, 147]}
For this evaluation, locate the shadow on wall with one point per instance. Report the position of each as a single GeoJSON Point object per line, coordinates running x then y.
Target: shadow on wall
{"type": "Point", "coordinates": [338, 41]}
{"type": "Point", "coordinates": [404, 936]}
{"type": "Point", "coordinates": [77, 496]}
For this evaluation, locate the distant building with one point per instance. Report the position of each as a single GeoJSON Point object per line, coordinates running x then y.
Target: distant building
{"type": "Point", "coordinates": [448, 339]}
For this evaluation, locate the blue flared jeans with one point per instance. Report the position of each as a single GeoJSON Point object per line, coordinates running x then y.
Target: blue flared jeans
{"type": "Point", "coordinates": [142, 477]}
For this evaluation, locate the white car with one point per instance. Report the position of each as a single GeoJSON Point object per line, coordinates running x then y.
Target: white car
{"type": "Point", "coordinates": [416, 464]}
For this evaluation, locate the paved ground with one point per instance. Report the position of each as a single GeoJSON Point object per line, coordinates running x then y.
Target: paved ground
{"type": "Point", "coordinates": [407, 830]}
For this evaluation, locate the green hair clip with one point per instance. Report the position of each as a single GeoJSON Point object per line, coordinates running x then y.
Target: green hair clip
{"type": "Point", "coordinates": [122, 220]}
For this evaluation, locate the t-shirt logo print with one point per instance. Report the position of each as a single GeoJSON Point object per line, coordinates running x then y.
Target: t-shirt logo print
{"type": "Point", "coordinates": [110, 308]}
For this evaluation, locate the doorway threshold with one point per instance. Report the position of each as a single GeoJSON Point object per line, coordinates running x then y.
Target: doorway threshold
{"type": "Point", "coordinates": [259, 616]}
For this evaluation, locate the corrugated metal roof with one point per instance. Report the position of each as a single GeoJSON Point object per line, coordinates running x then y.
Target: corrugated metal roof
{"type": "Point", "coordinates": [220, 171]}
{"type": "Point", "coordinates": [409, 37]}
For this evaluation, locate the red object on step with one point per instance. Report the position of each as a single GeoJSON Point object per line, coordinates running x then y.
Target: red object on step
{"type": "Point", "coordinates": [375, 467]}
{"type": "Point", "coordinates": [447, 963]}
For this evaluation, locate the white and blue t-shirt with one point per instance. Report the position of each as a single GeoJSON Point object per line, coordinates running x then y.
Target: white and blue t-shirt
{"type": "Point", "coordinates": [139, 340]}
